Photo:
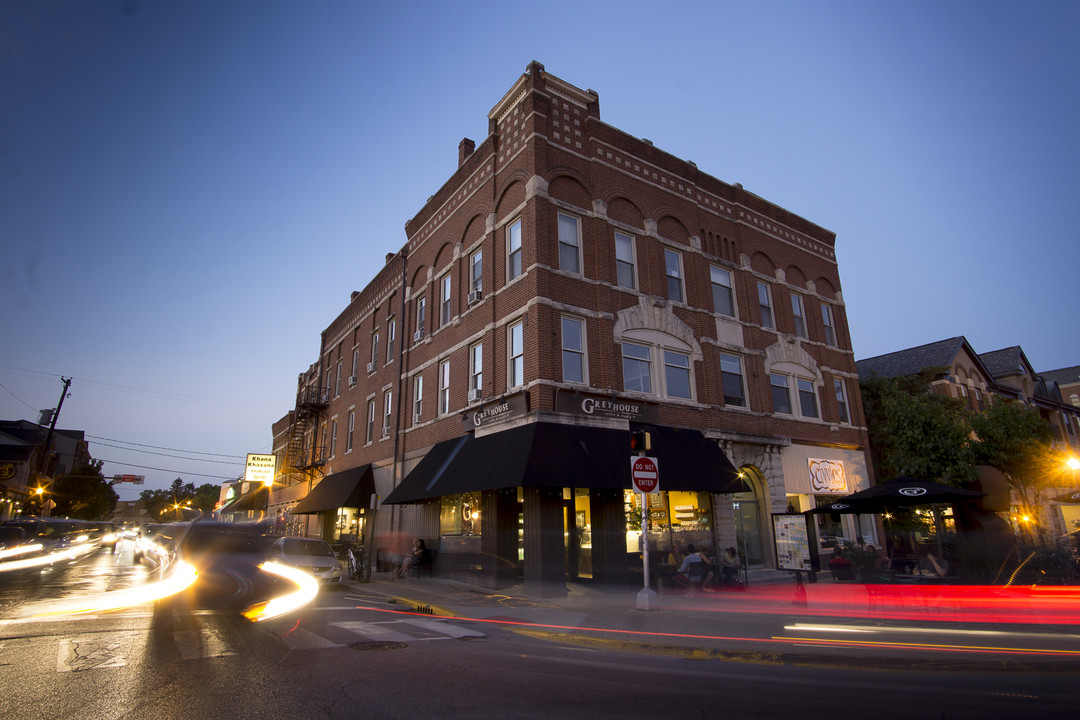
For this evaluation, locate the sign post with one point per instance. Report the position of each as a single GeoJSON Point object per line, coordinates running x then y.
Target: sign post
{"type": "Point", "coordinates": [645, 476]}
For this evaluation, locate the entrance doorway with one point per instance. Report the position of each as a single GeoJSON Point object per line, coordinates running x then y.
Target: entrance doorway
{"type": "Point", "coordinates": [577, 534]}
{"type": "Point", "coordinates": [747, 507]}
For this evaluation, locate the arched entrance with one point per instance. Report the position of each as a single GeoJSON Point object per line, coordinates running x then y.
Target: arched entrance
{"type": "Point", "coordinates": [749, 508]}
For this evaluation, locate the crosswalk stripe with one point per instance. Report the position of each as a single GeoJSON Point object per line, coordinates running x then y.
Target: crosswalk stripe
{"type": "Point", "coordinates": [204, 643]}
{"type": "Point", "coordinates": [454, 631]}
{"type": "Point", "coordinates": [373, 631]}
{"type": "Point", "coordinates": [301, 639]}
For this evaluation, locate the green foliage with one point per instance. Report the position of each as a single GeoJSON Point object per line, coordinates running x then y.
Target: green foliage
{"type": "Point", "coordinates": [1048, 566]}
{"type": "Point", "coordinates": [160, 503]}
{"type": "Point", "coordinates": [916, 432]}
{"type": "Point", "coordinates": [1016, 440]}
{"type": "Point", "coordinates": [83, 493]}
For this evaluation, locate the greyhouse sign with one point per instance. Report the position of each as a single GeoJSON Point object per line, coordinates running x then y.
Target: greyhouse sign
{"type": "Point", "coordinates": [577, 403]}
{"type": "Point", "coordinates": [491, 413]}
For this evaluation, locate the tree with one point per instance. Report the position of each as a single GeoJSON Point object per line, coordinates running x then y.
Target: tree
{"type": "Point", "coordinates": [915, 431]}
{"type": "Point", "coordinates": [1017, 440]}
{"type": "Point", "coordinates": [83, 493]}
{"type": "Point", "coordinates": [162, 504]}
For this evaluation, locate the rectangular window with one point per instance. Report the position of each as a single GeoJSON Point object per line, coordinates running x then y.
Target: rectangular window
{"type": "Point", "coordinates": [765, 300]}
{"type": "Point", "coordinates": [418, 398]}
{"type": "Point", "coordinates": [732, 379]}
{"type": "Point", "coordinates": [807, 398]}
{"type": "Point", "coordinates": [676, 374]}
{"type": "Point", "coordinates": [391, 338]}
{"type": "Point", "coordinates": [476, 369]}
{"type": "Point", "coordinates": [374, 351]}
{"type": "Point", "coordinates": [841, 401]}
{"type": "Point", "coordinates": [370, 421]}
{"type": "Point", "coordinates": [673, 269]}
{"type": "Point", "coordinates": [573, 350]}
{"type": "Point", "coordinates": [637, 368]}
{"type": "Point", "coordinates": [800, 318]}
{"type": "Point", "coordinates": [723, 297]}
{"type": "Point", "coordinates": [352, 429]}
{"type": "Point", "coordinates": [444, 300]}
{"type": "Point", "coordinates": [333, 437]}
{"type": "Point", "coordinates": [421, 316]}
{"type": "Point", "coordinates": [444, 387]}
{"type": "Point", "coordinates": [337, 380]}
{"type": "Point", "coordinates": [388, 407]}
{"type": "Point", "coordinates": [516, 347]}
{"type": "Point", "coordinates": [781, 396]}
{"type": "Point", "coordinates": [513, 250]}
{"type": "Point", "coordinates": [624, 260]}
{"type": "Point", "coordinates": [569, 243]}
{"type": "Point", "coordinates": [355, 362]}
{"type": "Point", "coordinates": [830, 329]}
{"type": "Point", "coordinates": [476, 273]}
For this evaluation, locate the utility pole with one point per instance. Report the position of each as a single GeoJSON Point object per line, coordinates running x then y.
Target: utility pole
{"type": "Point", "coordinates": [44, 453]}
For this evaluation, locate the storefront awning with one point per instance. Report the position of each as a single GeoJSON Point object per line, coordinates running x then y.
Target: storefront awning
{"type": "Point", "coordinates": [254, 500]}
{"type": "Point", "coordinates": [555, 455]}
{"type": "Point", "coordinates": [348, 488]}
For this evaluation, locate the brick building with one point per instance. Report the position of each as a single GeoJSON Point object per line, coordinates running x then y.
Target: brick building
{"type": "Point", "coordinates": [569, 284]}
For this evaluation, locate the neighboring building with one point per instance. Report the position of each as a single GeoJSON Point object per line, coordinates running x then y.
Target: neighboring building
{"type": "Point", "coordinates": [570, 284]}
{"type": "Point", "coordinates": [24, 460]}
{"type": "Point", "coordinates": [1068, 382]}
{"type": "Point", "coordinates": [131, 512]}
{"type": "Point", "coordinates": [1007, 373]}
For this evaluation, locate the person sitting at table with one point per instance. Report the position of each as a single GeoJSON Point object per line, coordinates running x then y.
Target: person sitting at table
{"type": "Point", "coordinates": [940, 566]}
{"type": "Point", "coordinates": [881, 561]}
{"type": "Point", "coordinates": [675, 557]}
{"type": "Point", "coordinates": [729, 567]}
{"type": "Point", "coordinates": [682, 575]}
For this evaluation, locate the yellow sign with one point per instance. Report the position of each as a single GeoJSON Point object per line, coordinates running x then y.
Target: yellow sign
{"type": "Point", "coordinates": [260, 468]}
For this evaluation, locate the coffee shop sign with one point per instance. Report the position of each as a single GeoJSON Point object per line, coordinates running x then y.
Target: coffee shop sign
{"type": "Point", "coordinates": [827, 476]}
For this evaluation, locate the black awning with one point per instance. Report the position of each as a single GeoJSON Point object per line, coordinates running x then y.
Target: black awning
{"type": "Point", "coordinates": [348, 488]}
{"type": "Point", "coordinates": [254, 500]}
{"type": "Point", "coordinates": [555, 455]}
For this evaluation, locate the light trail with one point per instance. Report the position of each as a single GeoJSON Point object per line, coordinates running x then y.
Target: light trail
{"type": "Point", "coordinates": [180, 578]}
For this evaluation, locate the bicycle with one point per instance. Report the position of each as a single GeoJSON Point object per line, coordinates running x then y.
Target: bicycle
{"type": "Point", "coordinates": [359, 567]}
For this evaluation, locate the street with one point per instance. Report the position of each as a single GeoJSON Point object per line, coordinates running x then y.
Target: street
{"type": "Point", "coordinates": [354, 652]}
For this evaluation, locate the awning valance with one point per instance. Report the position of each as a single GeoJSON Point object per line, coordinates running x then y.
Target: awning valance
{"type": "Point", "coordinates": [546, 454]}
{"type": "Point", "coordinates": [253, 500]}
{"type": "Point", "coordinates": [348, 488]}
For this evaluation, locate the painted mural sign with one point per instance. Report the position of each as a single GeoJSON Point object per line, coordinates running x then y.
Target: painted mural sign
{"type": "Point", "coordinates": [827, 476]}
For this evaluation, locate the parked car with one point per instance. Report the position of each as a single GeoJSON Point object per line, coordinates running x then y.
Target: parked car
{"type": "Point", "coordinates": [310, 555]}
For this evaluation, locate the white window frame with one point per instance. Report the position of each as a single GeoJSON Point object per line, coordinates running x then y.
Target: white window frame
{"type": "Point", "coordinates": [658, 351]}
{"type": "Point", "coordinates": [355, 361]}
{"type": "Point", "coordinates": [444, 387]}
{"type": "Point", "coordinates": [421, 313]}
{"type": "Point", "coordinates": [337, 380]}
{"type": "Point", "coordinates": [722, 282]}
{"type": "Point", "coordinates": [575, 350]}
{"type": "Point", "coordinates": [807, 388]}
{"type": "Point", "coordinates": [515, 349]}
{"type": "Point", "coordinates": [630, 265]}
{"type": "Point", "coordinates": [375, 348]}
{"type": "Point", "coordinates": [446, 287]}
{"type": "Point", "coordinates": [570, 243]}
{"type": "Point", "coordinates": [671, 367]}
{"type": "Point", "coordinates": [351, 430]}
{"type": "Point", "coordinates": [774, 385]}
{"type": "Point", "coordinates": [514, 261]}
{"type": "Point", "coordinates": [843, 409]}
{"type": "Point", "coordinates": [391, 337]}
{"type": "Point", "coordinates": [674, 274]}
{"type": "Point", "coordinates": [333, 437]}
{"type": "Point", "coordinates": [830, 327]}
{"type": "Point", "coordinates": [418, 397]}
{"type": "Point", "coordinates": [476, 367]}
{"type": "Point", "coordinates": [369, 436]}
{"type": "Point", "coordinates": [388, 408]}
{"type": "Point", "coordinates": [768, 320]}
{"type": "Point", "coordinates": [799, 312]}
{"type": "Point", "coordinates": [476, 272]}
{"type": "Point", "coordinates": [731, 366]}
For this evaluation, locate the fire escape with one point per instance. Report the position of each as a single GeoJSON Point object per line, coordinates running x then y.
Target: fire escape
{"type": "Point", "coordinates": [305, 453]}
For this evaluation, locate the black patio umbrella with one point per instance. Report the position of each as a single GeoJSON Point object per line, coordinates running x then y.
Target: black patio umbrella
{"type": "Point", "coordinates": [1073, 497]}
{"type": "Point", "coordinates": [902, 491]}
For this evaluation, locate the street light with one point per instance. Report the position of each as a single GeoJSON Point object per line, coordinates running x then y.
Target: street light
{"type": "Point", "coordinates": [1073, 463]}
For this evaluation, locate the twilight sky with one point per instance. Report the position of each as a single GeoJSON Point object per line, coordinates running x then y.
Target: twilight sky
{"type": "Point", "coordinates": [189, 191]}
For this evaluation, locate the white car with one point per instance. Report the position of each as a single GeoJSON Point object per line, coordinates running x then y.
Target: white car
{"type": "Point", "coordinates": [310, 555]}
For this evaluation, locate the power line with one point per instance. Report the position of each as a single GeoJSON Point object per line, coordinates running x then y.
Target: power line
{"type": "Point", "coordinates": [16, 397]}
{"type": "Point", "coordinates": [158, 447]}
{"type": "Point", "coordinates": [181, 457]}
{"type": "Point", "coordinates": [167, 470]}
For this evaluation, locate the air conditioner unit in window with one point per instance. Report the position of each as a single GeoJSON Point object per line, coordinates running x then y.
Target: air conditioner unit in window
{"type": "Point", "coordinates": [474, 395]}
{"type": "Point", "coordinates": [416, 419]}
{"type": "Point", "coordinates": [475, 296]}
{"type": "Point", "coordinates": [352, 379]}
{"type": "Point", "coordinates": [418, 336]}
{"type": "Point", "coordinates": [371, 367]}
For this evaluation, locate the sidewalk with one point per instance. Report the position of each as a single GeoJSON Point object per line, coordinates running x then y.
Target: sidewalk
{"type": "Point", "coordinates": [757, 625]}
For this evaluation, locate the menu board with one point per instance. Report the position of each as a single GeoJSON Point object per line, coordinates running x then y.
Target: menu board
{"type": "Point", "coordinates": [792, 541]}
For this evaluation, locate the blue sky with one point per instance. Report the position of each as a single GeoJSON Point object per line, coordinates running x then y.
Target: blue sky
{"type": "Point", "coordinates": [189, 191]}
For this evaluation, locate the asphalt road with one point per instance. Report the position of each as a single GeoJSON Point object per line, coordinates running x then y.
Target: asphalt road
{"type": "Point", "coordinates": [353, 654]}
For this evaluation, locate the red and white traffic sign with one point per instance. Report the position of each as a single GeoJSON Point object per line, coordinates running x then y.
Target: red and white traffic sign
{"type": "Point", "coordinates": [645, 474]}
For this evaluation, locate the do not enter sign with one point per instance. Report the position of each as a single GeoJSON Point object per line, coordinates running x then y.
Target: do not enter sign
{"type": "Point", "coordinates": [645, 474]}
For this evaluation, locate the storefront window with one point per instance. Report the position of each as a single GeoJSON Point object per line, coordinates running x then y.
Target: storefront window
{"type": "Point", "coordinates": [674, 517]}
{"type": "Point", "coordinates": [460, 514]}
{"type": "Point", "coordinates": [348, 525]}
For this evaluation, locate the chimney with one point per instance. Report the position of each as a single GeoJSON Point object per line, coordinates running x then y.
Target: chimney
{"type": "Point", "coordinates": [464, 150]}
{"type": "Point", "coordinates": [390, 256]}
